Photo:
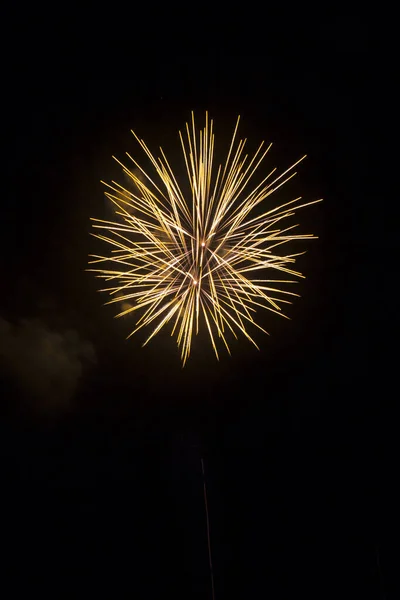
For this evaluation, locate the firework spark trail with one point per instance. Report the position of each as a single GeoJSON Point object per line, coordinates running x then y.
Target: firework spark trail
{"type": "Point", "coordinates": [208, 531]}
{"type": "Point", "coordinates": [180, 260]}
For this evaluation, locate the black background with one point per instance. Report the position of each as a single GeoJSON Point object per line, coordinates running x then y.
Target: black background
{"type": "Point", "coordinates": [105, 496]}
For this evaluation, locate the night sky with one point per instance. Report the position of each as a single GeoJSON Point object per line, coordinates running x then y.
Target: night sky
{"type": "Point", "coordinates": [100, 439]}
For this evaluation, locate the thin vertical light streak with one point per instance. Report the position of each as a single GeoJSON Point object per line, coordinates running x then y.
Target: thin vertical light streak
{"type": "Point", "coordinates": [208, 532]}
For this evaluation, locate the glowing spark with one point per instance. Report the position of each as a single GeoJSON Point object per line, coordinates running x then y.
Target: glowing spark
{"type": "Point", "coordinates": [190, 257]}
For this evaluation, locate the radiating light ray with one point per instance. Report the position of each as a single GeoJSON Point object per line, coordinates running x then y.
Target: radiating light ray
{"type": "Point", "coordinates": [185, 258]}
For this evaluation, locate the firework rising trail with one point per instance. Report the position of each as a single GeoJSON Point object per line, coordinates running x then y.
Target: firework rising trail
{"type": "Point", "coordinates": [193, 259]}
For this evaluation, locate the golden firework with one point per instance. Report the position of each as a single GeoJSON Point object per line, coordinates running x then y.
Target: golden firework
{"type": "Point", "coordinates": [186, 258]}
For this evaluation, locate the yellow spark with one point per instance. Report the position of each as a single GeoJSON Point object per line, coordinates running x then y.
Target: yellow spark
{"type": "Point", "coordinates": [183, 257]}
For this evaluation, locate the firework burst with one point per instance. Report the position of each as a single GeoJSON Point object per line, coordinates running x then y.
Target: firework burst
{"type": "Point", "coordinates": [190, 259]}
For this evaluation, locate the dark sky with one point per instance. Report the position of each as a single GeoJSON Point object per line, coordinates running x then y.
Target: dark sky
{"type": "Point", "coordinates": [100, 439]}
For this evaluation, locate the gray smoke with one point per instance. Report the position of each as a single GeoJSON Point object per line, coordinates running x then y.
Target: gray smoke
{"type": "Point", "coordinates": [46, 365]}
